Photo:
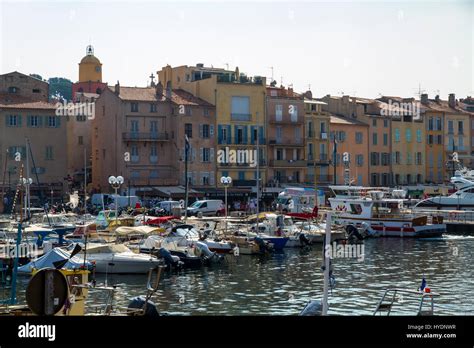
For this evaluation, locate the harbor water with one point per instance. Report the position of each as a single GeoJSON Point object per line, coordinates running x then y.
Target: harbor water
{"type": "Point", "coordinates": [281, 284]}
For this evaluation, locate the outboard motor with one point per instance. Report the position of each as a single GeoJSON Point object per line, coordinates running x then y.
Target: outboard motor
{"type": "Point", "coordinates": [206, 254]}
{"type": "Point", "coordinates": [139, 303]}
{"type": "Point", "coordinates": [312, 308]}
{"type": "Point", "coordinates": [353, 234]}
{"type": "Point", "coordinates": [262, 245]}
{"type": "Point", "coordinates": [170, 260]}
{"type": "Point", "coordinates": [304, 240]}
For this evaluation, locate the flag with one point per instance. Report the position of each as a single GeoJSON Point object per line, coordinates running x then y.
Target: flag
{"type": "Point", "coordinates": [423, 284]}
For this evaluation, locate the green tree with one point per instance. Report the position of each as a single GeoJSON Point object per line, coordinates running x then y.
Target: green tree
{"type": "Point", "coordinates": [60, 86]}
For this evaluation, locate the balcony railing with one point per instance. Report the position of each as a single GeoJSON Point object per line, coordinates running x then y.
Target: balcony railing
{"type": "Point", "coordinates": [240, 117]}
{"type": "Point", "coordinates": [320, 179]}
{"type": "Point", "coordinates": [135, 136]}
{"type": "Point", "coordinates": [244, 183]}
{"type": "Point", "coordinates": [154, 181]}
{"type": "Point", "coordinates": [286, 120]}
{"type": "Point", "coordinates": [285, 141]}
{"type": "Point", "coordinates": [288, 163]}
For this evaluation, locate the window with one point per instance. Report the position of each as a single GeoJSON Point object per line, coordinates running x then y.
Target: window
{"type": "Point", "coordinates": [385, 139]}
{"type": "Point", "coordinates": [440, 139]}
{"type": "Point", "coordinates": [240, 109]}
{"type": "Point", "coordinates": [359, 138]}
{"type": "Point", "coordinates": [310, 129]}
{"type": "Point", "coordinates": [12, 89]}
{"type": "Point", "coordinates": [53, 121]}
{"type": "Point", "coordinates": [293, 113]}
{"type": "Point", "coordinates": [188, 130]}
{"type": "Point", "coordinates": [430, 139]}
{"type": "Point", "coordinates": [374, 138]}
{"type": "Point", "coordinates": [341, 136]}
{"type": "Point", "coordinates": [153, 153]}
{"type": "Point", "coordinates": [81, 118]}
{"type": "Point", "coordinates": [153, 128]}
{"type": "Point", "coordinates": [298, 135]}
{"type": "Point", "coordinates": [385, 159]}
{"type": "Point", "coordinates": [408, 158]}
{"type": "Point", "coordinates": [153, 174]}
{"type": "Point", "coordinates": [310, 151]}
{"type": "Point", "coordinates": [134, 126]}
{"type": "Point", "coordinates": [14, 121]}
{"type": "Point", "coordinates": [398, 157]}
{"type": "Point", "coordinates": [205, 154]}
{"type": "Point", "coordinates": [450, 127]}
{"type": "Point", "coordinates": [360, 160]}
{"type": "Point", "coordinates": [205, 112]}
{"type": "Point", "coordinates": [438, 124]}
{"type": "Point", "coordinates": [134, 153]}
{"type": "Point", "coordinates": [460, 127]}
{"type": "Point", "coordinates": [80, 140]}
{"type": "Point", "coordinates": [408, 135]}
{"type": "Point", "coordinates": [397, 135]}
{"type": "Point", "coordinates": [374, 122]}
{"type": "Point", "coordinates": [430, 123]}
{"type": "Point", "coordinates": [153, 108]}
{"type": "Point", "coordinates": [418, 135]}
{"type": "Point", "coordinates": [374, 158]}
{"type": "Point", "coordinates": [385, 123]}
{"type": "Point", "coordinates": [419, 158]}
{"type": "Point", "coordinates": [279, 133]}
{"type": "Point", "coordinates": [241, 175]}
{"type": "Point", "coordinates": [189, 111]}
{"type": "Point", "coordinates": [49, 153]}
{"type": "Point", "coordinates": [205, 131]}
{"type": "Point", "coordinates": [240, 135]}
{"type": "Point", "coordinates": [33, 121]}
{"type": "Point", "coordinates": [134, 107]}
{"type": "Point", "coordinates": [224, 134]}
{"type": "Point", "coordinates": [461, 143]}
{"type": "Point", "coordinates": [278, 112]}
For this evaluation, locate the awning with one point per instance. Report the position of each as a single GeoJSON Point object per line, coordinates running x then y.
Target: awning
{"type": "Point", "coordinates": [180, 191]}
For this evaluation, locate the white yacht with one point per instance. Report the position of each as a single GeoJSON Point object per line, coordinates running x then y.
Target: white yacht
{"type": "Point", "coordinates": [117, 258]}
{"type": "Point", "coordinates": [463, 199]}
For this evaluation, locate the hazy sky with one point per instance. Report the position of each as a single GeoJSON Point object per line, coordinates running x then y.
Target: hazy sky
{"type": "Point", "coordinates": [365, 48]}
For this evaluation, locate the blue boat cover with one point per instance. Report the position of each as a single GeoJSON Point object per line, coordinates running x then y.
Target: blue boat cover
{"type": "Point", "coordinates": [54, 255]}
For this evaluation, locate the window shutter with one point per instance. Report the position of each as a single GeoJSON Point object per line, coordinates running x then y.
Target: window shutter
{"type": "Point", "coordinates": [193, 154]}
{"type": "Point", "coordinates": [236, 132]}
{"type": "Point", "coordinates": [219, 134]}
{"type": "Point", "coordinates": [19, 119]}
{"type": "Point", "coordinates": [211, 130]}
{"type": "Point", "coordinates": [200, 131]}
{"type": "Point", "coordinates": [28, 121]}
{"type": "Point", "coordinates": [211, 178]}
{"type": "Point", "coordinates": [201, 154]}
{"type": "Point", "coordinates": [260, 135]}
{"type": "Point", "coordinates": [58, 122]}
{"type": "Point", "coordinates": [211, 154]}
{"type": "Point", "coordinates": [245, 134]}
{"type": "Point", "coordinates": [229, 134]}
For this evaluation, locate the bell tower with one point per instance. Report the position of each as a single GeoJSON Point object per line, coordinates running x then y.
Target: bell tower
{"type": "Point", "coordinates": [90, 67]}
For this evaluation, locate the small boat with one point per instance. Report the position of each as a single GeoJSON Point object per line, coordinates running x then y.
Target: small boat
{"type": "Point", "coordinates": [385, 216]}
{"type": "Point", "coordinates": [118, 259]}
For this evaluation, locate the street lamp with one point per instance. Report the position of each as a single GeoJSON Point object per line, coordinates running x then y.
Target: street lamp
{"type": "Point", "coordinates": [116, 182]}
{"type": "Point", "coordinates": [226, 181]}
{"type": "Point", "coordinates": [26, 182]}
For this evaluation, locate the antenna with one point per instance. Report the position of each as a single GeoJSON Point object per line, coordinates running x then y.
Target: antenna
{"type": "Point", "coordinates": [309, 87]}
{"type": "Point", "coordinates": [227, 66]}
{"type": "Point", "coordinates": [272, 72]}
{"type": "Point", "coordinates": [420, 91]}
{"type": "Point", "coordinates": [281, 80]}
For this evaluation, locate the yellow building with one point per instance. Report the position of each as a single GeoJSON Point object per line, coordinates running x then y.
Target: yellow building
{"type": "Point", "coordinates": [317, 141]}
{"type": "Point", "coordinates": [240, 116]}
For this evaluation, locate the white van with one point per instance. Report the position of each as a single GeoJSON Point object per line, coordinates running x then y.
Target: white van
{"type": "Point", "coordinates": [207, 207]}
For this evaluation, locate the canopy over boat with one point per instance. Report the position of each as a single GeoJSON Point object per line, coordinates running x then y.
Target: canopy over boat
{"type": "Point", "coordinates": [160, 220]}
{"type": "Point", "coordinates": [145, 230]}
{"type": "Point", "coordinates": [56, 254]}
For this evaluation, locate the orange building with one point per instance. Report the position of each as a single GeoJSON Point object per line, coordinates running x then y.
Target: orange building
{"type": "Point", "coordinates": [350, 136]}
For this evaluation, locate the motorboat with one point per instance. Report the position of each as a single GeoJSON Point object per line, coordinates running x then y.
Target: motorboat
{"type": "Point", "coordinates": [385, 216]}
{"type": "Point", "coordinates": [463, 199]}
{"type": "Point", "coordinates": [117, 258]}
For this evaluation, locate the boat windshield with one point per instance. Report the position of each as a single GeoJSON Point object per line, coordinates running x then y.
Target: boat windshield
{"type": "Point", "coordinates": [282, 200]}
{"type": "Point", "coordinates": [183, 232]}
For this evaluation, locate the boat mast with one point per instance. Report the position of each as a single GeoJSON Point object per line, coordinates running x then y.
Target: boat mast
{"type": "Point", "coordinates": [85, 184]}
{"type": "Point", "coordinates": [258, 171]}
{"type": "Point", "coordinates": [327, 263]}
{"type": "Point", "coordinates": [27, 188]}
{"type": "Point", "coordinates": [3, 184]}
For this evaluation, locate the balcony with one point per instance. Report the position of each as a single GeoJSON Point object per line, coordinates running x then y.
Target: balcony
{"type": "Point", "coordinates": [244, 183]}
{"type": "Point", "coordinates": [135, 136]}
{"type": "Point", "coordinates": [231, 78]}
{"type": "Point", "coordinates": [154, 182]}
{"type": "Point", "coordinates": [285, 142]}
{"type": "Point", "coordinates": [286, 120]}
{"type": "Point", "coordinates": [240, 117]}
{"type": "Point", "coordinates": [288, 163]}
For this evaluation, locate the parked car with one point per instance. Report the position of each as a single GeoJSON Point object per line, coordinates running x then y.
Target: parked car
{"type": "Point", "coordinates": [207, 207]}
{"type": "Point", "coordinates": [166, 207]}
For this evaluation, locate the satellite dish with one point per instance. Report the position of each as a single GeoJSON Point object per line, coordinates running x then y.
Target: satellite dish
{"type": "Point", "coordinates": [47, 292]}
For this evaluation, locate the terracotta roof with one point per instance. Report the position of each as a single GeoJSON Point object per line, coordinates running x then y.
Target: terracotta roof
{"type": "Point", "coordinates": [344, 120]}
{"type": "Point", "coordinates": [13, 101]}
{"type": "Point", "coordinates": [443, 106]}
{"type": "Point", "coordinates": [138, 93]}
{"type": "Point", "coordinates": [181, 97]}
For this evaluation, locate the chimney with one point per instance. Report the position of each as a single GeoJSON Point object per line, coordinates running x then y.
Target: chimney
{"type": "Point", "coordinates": [437, 98]}
{"type": "Point", "coordinates": [117, 88]}
{"type": "Point", "coordinates": [452, 100]}
{"type": "Point", "coordinates": [345, 99]}
{"type": "Point", "coordinates": [308, 95]}
{"type": "Point", "coordinates": [424, 99]}
{"type": "Point", "coordinates": [159, 89]}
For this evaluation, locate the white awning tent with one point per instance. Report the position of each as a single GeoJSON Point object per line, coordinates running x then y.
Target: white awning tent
{"type": "Point", "coordinates": [56, 254]}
